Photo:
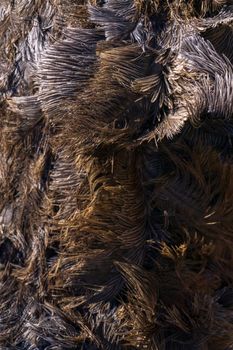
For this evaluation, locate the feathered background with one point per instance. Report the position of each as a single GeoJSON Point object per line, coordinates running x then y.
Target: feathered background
{"type": "Point", "coordinates": [116, 175]}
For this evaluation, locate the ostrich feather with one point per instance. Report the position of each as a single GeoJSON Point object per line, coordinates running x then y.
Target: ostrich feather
{"type": "Point", "coordinates": [116, 175]}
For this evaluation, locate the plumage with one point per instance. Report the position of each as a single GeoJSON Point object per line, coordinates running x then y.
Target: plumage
{"type": "Point", "coordinates": [116, 175]}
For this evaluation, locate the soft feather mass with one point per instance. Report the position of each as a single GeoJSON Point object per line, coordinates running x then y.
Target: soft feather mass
{"type": "Point", "coordinates": [116, 175]}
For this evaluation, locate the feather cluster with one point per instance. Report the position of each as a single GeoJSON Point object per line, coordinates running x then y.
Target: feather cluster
{"type": "Point", "coordinates": [116, 175]}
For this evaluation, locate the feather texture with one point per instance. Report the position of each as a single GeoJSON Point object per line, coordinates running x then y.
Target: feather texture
{"type": "Point", "coordinates": [116, 175]}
